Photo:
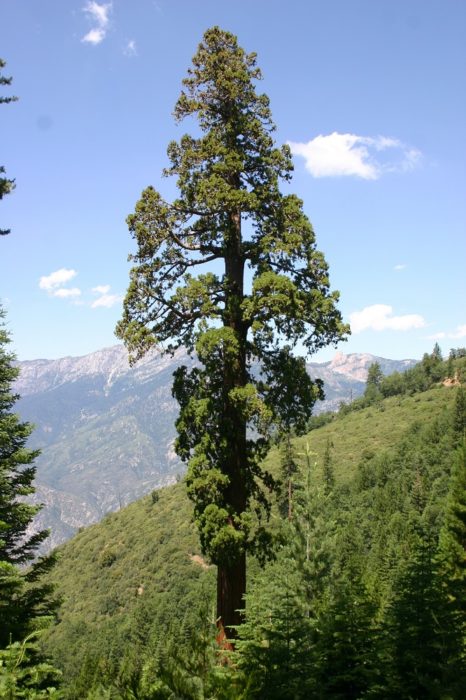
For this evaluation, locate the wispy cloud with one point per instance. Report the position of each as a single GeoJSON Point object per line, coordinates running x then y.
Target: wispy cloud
{"type": "Point", "coordinates": [100, 17]}
{"type": "Point", "coordinates": [101, 289]}
{"type": "Point", "coordinates": [54, 283]}
{"type": "Point", "coordinates": [459, 332]}
{"type": "Point", "coordinates": [338, 155]}
{"type": "Point", "coordinates": [56, 279]}
{"type": "Point", "coordinates": [105, 299]}
{"type": "Point", "coordinates": [400, 267]}
{"type": "Point", "coordinates": [66, 292]}
{"type": "Point", "coordinates": [379, 317]}
{"type": "Point", "coordinates": [130, 48]}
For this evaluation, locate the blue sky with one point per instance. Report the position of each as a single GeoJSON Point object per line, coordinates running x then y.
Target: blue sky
{"type": "Point", "coordinates": [370, 94]}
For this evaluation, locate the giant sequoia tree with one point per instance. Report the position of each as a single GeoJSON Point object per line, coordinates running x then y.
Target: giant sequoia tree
{"type": "Point", "coordinates": [229, 269]}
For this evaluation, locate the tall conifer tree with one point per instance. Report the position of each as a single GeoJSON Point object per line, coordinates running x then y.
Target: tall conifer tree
{"type": "Point", "coordinates": [25, 603]}
{"type": "Point", "coordinates": [266, 289]}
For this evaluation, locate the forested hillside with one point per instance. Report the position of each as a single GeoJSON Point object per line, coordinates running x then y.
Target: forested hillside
{"type": "Point", "coordinates": [361, 599]}
{"type": "Point", "coordinates": [102, 448]}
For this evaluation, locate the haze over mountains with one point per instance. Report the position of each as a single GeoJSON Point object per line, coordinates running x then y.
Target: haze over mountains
{"type": "Point", "coordinates": [106, 429]}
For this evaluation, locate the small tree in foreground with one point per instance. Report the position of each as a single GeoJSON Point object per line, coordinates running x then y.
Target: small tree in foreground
{"type": "Point", "coordinates": [261, 287]}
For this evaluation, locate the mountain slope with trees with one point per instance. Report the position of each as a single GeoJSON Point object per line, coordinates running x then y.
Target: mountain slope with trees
{"type": "Point", "coordinates": [372, 536]}
{"type": "Point", "coordinates": [106, 430]}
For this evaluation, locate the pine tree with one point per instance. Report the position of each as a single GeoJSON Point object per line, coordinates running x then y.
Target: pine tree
{"type": "Point", "coordinates": [327, 468]}
{"type": "Point", "coordinates": [230, 215]}
{"type": "Point", "coordinates": [288, 471]}
{"type": "Point", "coordinates": [459, 416]}
{"type": "Point", "coordinates": [452, 546]}
{"type": "Point", "coordinates": [6, 185]}
{"type": "Point", "coordinates": [25, 603]}
{"type": "Point", "coordinates": [423, 637]}
{"type": "Point", "coordinates": [374, 380]}
{"type": "Point", "coordinates": [274, 652]}
{"type": "Point", "coordinates": [346, 664]}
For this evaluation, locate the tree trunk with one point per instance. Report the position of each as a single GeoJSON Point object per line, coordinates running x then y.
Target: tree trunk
{"type": "Point", "coordinates": [231, 586]}
{"type": "Point", "coordinates": [231, 577]}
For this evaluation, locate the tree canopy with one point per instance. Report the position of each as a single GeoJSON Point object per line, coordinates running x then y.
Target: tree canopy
{"type": "Point", "coordinates": [231, 270]}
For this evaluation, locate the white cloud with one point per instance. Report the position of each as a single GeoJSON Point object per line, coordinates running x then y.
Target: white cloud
{"type": "Point", "coordinates": [56, 279]}
{"type": "Point", "coordinates": [379, 317]}
{"type": "Point", "coordinates": [99, 15]}
{"type": "Point", "coordinates": [130, 48]}
{"type": "Point", "coordinates": [94, 36]}
{"type": "Point", "coordinates": [337, 155]}
{"type": "Point", "coordinates": [436, 336]}
{"type": "Point", "coordinates": [460, 332]}
{"type": "Point", "coordinates": [99, 12]}
{"type": "Point", "coordinates": [106, 301]}
{"type": "Point", "coordinates": [400, 267]}
{"type": "Point", "coordinates": [66, 293]}
{"type": "Point", "coordinates": [101, 289]}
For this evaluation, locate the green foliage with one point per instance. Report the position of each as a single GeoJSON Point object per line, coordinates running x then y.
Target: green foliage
{"type": "Point", "coordinates": [423, 633]}
{"type": "Point", "coordinates": [22, 676]}
{"type": "Point", "coordinates": [230, 211]}
{"type": "Point", "coordinates": [26, 603]}
{"type": "Point", "coordinates": [453, 534]}
{"type": "Point", "coordinates": [347, 664]}
{"type": "Point", "coordinates": [117, 621]}
{"type": "Point", "coordinates": [459, 416]}
{"type": "Point", "coordinates": [6, 185]}
{"type": "Point", "coordinates": [374, 380]}
{"type": "Point", "coordinates": [326, 617]}
{"type": "Point", "coordinates": [288, 470]}
{"type": "Point", "coordinates": [274, 650]}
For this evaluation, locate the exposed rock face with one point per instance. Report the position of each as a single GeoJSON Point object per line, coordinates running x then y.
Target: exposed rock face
{"type": "Point", "coordinates": [106, 429]}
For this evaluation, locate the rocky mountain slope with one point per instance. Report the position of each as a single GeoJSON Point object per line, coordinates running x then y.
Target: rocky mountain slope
{"type": "Point", "coordinates": [106, 429]}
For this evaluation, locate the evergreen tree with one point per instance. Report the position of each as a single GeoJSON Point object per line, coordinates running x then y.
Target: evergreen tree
{"type": "Point", "coordinates": [459, 416]}
{"type": "Point", "coordinates": [374, 380]}
{"type": "Point", "coordinates": [288, 471]}
{"type": "Point", "coordinates": [423, 637]}
{"type": "Point", "coordinates": [327, 468]}
{"type": "Point", "coordinates": [274, 652]}
{"type": "Point", "coordinates": [6, 185]}
{"type": "Point", "coordinates": [346, 665]}
{"type": "Point", "coordinates": [229, 213]}
{"type": "Point", "coordinates": [453, 536]}
{"type": "Point", "coordinates": [25, 603]}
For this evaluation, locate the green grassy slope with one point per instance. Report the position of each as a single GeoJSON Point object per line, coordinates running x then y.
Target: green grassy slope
{"type": "Point", "coordinates": [369, 431]}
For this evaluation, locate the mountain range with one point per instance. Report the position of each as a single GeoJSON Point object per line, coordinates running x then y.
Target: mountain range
{"type": "Point", "coordinates": [106, 429]}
